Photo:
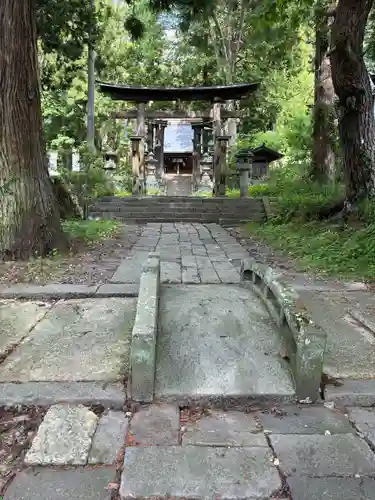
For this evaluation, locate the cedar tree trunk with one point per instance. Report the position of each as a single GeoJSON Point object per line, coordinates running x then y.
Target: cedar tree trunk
{"type": "Point", "coordinates": [352, 86]}
{"type": "Point", "coordinates": [29, 214]}
{"type": "Point", "coordinates": [323, 151]}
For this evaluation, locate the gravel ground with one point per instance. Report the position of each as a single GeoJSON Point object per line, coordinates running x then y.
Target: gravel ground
{"type": "Point", "coordinates": [87, 264]}
{"type": "Point", "coordinates": [18, 426]}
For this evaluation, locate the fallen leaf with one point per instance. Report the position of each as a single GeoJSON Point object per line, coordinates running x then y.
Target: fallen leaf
{"type": "Point", "coordinates": [112, 486]}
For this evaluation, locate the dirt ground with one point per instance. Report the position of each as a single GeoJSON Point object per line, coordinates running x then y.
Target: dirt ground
{"type": "Point", "coordinates": [87, 263]}
{"type": "Point", "coordinates": [18, 426]}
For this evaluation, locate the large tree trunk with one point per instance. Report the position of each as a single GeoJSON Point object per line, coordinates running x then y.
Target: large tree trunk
{"type": "Point", "coordinates": [352, 86]}
{"type": "Point", "coordinates": [29, 214]}
{"type": "Point", "coordinates": [323, 168]}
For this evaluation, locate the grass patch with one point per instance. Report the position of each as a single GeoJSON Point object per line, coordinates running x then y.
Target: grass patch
{"type": "Point", "coordinates": [90, 231]}
{"type": "Point", "coordinates": [122, 194]}
{"type": "Point", "coordinates": [342, 250]}
{"type": "Point", "coordinates": [203, 194]}
{"type": "Point", "coordinates": [317, 246]}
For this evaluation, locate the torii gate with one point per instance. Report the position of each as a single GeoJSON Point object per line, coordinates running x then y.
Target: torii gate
{"type": "Point", "coordinates": [216, 95]}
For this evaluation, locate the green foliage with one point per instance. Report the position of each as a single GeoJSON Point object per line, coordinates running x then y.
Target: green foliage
{"type": "Point", "coordinates": [319, 245]}
{"type": "Point", "coordinates": [65, 29]}
{"type": "Point", "coordinates": [285, 103]}
{"type": "Point", "coordinates": [122, 194]}
{"type": "Point", "coordinates": [88, 185]}
{"type": "Point", "coordinates": [90, 230]}
{"type": "Point", "coordinates": [118, 59]}
{"type": "Point", "coordinates": [348, 252]}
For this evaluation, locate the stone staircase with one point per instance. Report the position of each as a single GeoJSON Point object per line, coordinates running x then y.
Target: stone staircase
{"type": "Point", "coordinates": [226, 211]}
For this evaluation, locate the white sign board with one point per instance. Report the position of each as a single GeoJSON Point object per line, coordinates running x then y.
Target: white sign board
{"type": "Point", "coordinates": [52, 162]}
{"type": "Point", "coordinates": [75, 162]}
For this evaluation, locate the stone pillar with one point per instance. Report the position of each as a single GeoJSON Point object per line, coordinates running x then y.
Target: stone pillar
{"type": "Point", "coordinates": [221, 172]}
{"type": "Point", "coordinates": [150, 136]}
{"type": "Point", "coordinates": [163, 125]}
{"type": "Point", "coordinates": [137, 187]}
{"type": "Point", "coordinates": [197, 151]}
{"type": "Point", "coordinates": [244, 166]}
{"type": "Point", "coordinates": [217, 133]}
{"type": "Point", "coordinates": [141, 132]}
{"type": "Point", "coordinates": [244, 183]}
{"type": "Point", "coordinates": [160, 127]}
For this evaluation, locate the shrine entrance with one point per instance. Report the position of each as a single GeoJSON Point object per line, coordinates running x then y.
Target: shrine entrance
{"type": "Point", "coordinates": [178, 163]}
{"type": "Point", "coordinates": [207, 164]}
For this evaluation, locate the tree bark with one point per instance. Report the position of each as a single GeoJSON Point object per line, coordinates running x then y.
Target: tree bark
{"type": "Point", "coordinates": [352, 86]}
{"type": "Point", "coordinates": [29, 214]}
{"type": "Point", "coordinates": [323, 168]}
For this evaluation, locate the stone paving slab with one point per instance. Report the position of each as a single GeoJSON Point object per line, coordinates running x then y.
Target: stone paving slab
{"type": "Point", "coordinates": [17, 319]}
{"type": "Point", "coordinates": [224, 429]}
{"type": "Point", "coordinates": [78, 340]}
{"type": "Point", "coordinates": [156, 425]}
{"type": "Point", "coordinates": [199, 473]}
{"type": "Point", "coordinates": [118, 290]}
{"type": "Point", "coordinates": [341, 455]}
{"type": "Point", "coordinates": [190, 276]}
{"type": "Point", "coordinates": [64, 437]}
{"type": "Point", "coordinates": [327, 488]}
{"type": "Point", "coordinates": [77, 484]}
{"type": "Point", "coordinates": [364, 421]}
{"type": "Point", "coordinates": [292, 419]}
{"type": "Point", "coordinates": [350, 352]}
{"type": "Point", "coordinates": [50, 291]}
{"type": "Point", "coordinates": [217, 341]}
{"type": "Point", "coordinates": [49, 393]}
{"type": "Point", "coordinates": [178, 244]}
{"type": "Point", "coordinates": [170, 272]}
{"type": "Point", "coordinates": [352, 393]}
{"type": "Point", "coordinates": [129, 271]}
{"type": "Point", "coordinates": [109, 438]}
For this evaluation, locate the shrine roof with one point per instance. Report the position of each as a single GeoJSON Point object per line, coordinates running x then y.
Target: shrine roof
{"type": "Point", "coordinates": [266, 153]}
{"type": "Point", "coordinates": [261, 153]}
{"type": "Point", "coordinates": [146, 94]}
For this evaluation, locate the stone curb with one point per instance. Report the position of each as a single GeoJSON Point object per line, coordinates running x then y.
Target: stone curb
{"type": "Point", "coordinates": [60, 291]}
{"type": "Point", "coordinates": [363, 319]}
{"type": "Point", "coordinates": [352, 393]}
{"type": "Point", "coordinates": [50, 393]}
{"type": "Point", "coordinates": [145, 332]}
{"type": "Point", "coordinates": [304, 341]}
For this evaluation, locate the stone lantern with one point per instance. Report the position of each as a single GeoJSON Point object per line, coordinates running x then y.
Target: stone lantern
{"type": "Point", "coordinates": [244, 162]}
{"type": "Point", "coordinates": [110, 160]}
{"type": "Point", "coordinates": [151, 181]}
{"type": "Point", "coordinates": [205, 183]}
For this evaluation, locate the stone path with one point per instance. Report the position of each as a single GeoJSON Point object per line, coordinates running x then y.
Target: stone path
{"type": "Point", "coordinates": [68, 350]}
{"type": "Point", "coordinates": [178, 185]}
{"type": "Point", "coordinates": [71, 357]}
{"type": "Point", "coordinates": [190, 254]}
{"type": "Point", "coordinates": [280, 452]}
{"type": "Point", "coordinates": [217, 342]}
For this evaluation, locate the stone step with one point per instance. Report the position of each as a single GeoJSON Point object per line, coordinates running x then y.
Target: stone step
{"type": "Point", "coordinates": [175, 218]}
{"type": "Point", "coordinates": [180, 199]}
{"type": "Point", "coordinates": [224, 210]}
{"type": "Point", "coordinates": [184, 214]}
{"type": "Point", "coordinates": [198, 472]}
{"type": "Point", "coordinates": [181, 210]}
{"type": "Point", "coordinates": [167, 199]}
